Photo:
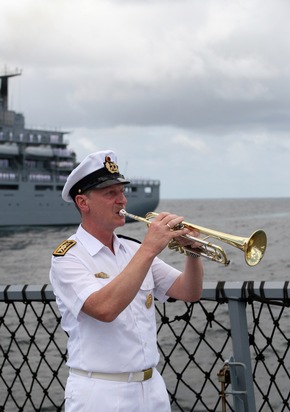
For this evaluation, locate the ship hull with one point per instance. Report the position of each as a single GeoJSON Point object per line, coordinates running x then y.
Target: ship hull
{"type": "Point", "coordinates": [28, 207]}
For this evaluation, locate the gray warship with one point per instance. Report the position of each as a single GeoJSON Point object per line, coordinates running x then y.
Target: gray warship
{"type": "Point", "coordinates": [34, 165]}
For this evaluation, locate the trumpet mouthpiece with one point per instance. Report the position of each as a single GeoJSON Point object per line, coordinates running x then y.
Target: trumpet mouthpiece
{"type": "Point", "coordinates": [122, 212]}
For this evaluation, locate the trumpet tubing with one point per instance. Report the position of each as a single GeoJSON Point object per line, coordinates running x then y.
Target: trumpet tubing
{"type": "Point", "coordinates": [254, 247]}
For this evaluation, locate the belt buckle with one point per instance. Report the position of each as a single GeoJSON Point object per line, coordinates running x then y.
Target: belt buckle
{"type": "Point", "coordinates": [148, 374]}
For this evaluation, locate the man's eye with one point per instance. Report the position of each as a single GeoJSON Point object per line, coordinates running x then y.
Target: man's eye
{"type": "Point", "coordinates": [113, 192]}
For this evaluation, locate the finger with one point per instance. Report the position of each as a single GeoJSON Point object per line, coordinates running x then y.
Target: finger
{"type": "Point", "coordinates": [160, 216]}
{"type": "Point", "coordinates": [179, 233]}
{"type": "Point", "coordinates": [172, 221]}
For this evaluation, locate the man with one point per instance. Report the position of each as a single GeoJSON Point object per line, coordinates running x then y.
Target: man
{"type": "Point", "coordinates": [105, 287]}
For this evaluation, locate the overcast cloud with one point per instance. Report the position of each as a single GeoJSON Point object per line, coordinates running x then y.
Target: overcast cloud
{"type": "Point", "coordinates": [194, 93]}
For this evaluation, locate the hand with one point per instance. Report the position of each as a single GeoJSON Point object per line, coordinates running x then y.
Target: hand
{"type": "Point", "coordinates": [162, 230]}
{"type": "Point", "coordinates": [187, 242]}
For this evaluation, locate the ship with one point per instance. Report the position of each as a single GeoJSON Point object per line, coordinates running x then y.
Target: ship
{"type": "Point", "coordinates": [34, 165]}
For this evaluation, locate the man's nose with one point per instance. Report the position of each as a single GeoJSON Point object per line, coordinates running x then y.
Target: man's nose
{"type": "Point", "coordinates": [122, 198]}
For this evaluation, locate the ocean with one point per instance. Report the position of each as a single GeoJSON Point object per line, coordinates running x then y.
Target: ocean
{"type": "Point", "coordinates": [25, 253]}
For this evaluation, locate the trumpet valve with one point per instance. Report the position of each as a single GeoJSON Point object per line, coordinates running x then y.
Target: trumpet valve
{"type": "Point", "coordinates": [176, 246]}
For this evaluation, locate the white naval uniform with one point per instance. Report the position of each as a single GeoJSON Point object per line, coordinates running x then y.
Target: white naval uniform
{"type": "Point", "coordinates": [128, 344]}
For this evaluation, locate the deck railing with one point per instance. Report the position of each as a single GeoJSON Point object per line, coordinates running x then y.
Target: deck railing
{"type": "Point", "coordinates": [228, 352]}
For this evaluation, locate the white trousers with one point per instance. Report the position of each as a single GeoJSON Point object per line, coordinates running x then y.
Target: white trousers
{"type": "Point", "coordinates": [84, 394]}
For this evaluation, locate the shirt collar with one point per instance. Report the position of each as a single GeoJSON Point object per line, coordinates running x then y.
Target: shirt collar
{"type": "Point", "coordinates": [92, 244]}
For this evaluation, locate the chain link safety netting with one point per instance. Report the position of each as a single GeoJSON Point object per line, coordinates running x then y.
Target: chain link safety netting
{"type": "Point", "coordinates": [194, 341]}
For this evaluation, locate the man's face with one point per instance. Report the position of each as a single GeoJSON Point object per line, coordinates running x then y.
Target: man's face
{"type": "Point", "coordinates": [105, 205]}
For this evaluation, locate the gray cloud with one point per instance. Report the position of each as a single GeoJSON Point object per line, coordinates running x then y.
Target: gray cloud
{"type": "Point", "coordinates": [165, 83]}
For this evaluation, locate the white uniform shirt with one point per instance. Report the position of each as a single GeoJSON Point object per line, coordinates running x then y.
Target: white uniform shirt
{"type": "Point", "coordinates": [127, 344]}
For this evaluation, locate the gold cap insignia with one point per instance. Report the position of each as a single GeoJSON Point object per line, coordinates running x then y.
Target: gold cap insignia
{"type": "Point", "coordinates": [149, 300]}
{"type": "Point", "coordinates": [111, 166]}
{"type": "Point", "coordinates": [63, 247]}
{"type": "Point", "coordinates": [101, 275]}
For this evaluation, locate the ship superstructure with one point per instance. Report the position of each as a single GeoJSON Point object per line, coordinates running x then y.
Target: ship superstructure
{"type": "Point", "coordinates": [34, 165]}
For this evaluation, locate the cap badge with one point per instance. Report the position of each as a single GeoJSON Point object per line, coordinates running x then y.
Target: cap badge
{"type": "Point", "coordinates": [111, 166]}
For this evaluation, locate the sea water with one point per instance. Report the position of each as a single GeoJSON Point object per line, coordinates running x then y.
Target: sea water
{"type": "Point", "coordinates": [25, 253]}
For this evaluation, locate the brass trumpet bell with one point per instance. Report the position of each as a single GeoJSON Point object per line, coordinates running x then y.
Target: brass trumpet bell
{"type": "Point", "coordinates": [254, 247]}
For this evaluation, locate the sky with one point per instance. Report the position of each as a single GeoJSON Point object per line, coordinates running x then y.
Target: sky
{"type": "Point", "coordinates": [195, 93]}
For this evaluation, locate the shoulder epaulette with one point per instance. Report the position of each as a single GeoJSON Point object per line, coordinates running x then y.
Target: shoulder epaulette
{"type": "Point", "coordinates": [64, 247]}
{"type": "Point", "coordinates": [129, 238]}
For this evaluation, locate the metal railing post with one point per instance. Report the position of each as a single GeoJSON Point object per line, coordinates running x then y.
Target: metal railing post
{"type": "Point", "coordinates": [243, 392]}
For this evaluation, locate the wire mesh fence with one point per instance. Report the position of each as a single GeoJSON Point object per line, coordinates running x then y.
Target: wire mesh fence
{"type": "Point", "coordinates": [195, 341]}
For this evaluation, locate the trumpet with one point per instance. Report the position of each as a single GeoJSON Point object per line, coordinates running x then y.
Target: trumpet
{"type": "Point", "coordinates": [254, 247]}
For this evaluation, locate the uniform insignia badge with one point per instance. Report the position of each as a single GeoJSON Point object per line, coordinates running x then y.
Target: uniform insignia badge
{"type": "Point", "coordinates": [63, 247]}
{"type": "Point", "coordinates": [111, 166]}
{"type": "Point", "coordinates": [149, 300]}
{"type": "Point", "coordinates": [101, 275]}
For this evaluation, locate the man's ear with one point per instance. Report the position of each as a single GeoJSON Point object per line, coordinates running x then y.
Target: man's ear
{"type": "Point", "coordinates": [82, 202]}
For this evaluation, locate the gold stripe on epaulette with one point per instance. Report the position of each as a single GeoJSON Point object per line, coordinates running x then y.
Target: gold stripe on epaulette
{"type": "Point", "coordinates": [63, 247]}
